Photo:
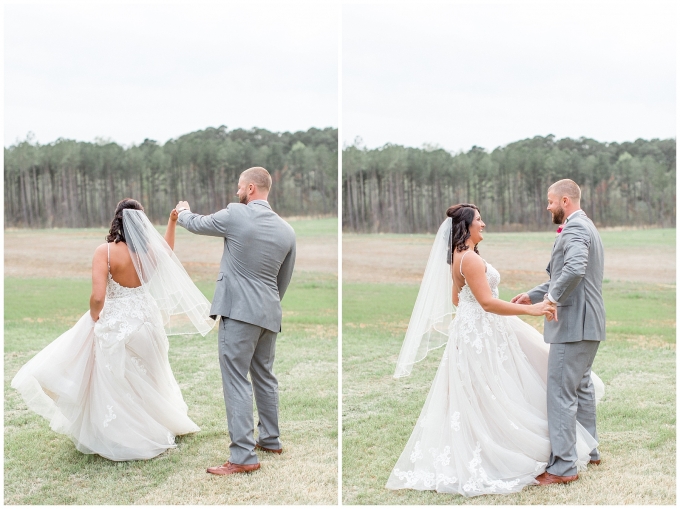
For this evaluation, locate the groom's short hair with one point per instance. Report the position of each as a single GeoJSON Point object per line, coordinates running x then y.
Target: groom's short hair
{"type": "Point", "coordinates": [567, 187]}
{"type": "Point", "coordinates": [258, 176]}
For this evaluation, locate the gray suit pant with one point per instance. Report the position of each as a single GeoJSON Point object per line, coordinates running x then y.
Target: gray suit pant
{"type": "Point", "coordinates": [244, 348]}
{"type": "Point", "coordinates": [571, 397]}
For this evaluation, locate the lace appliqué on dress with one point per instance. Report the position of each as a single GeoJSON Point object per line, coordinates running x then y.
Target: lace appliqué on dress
{"type": "Point", "coordinates": [429, 480]}
{"type": "Point", "coordinates": [109, 416]}
{"type": "Point", "coordinates": [417, 453]}
{"type": "Point", "coordinates": [125, 311]}
{"type": "Point", "coordinates": [480, 480]}
{"type": "Point", "coordinates": [138, 364]}
{"type": "Point", "coordinates": [126, 308]}
{"type": "Point", "coordinates": [411, 478]}
{"type": "Point", "coordinates": [442, 459]}
{"type": "Point", "coordinates": [455, 421]}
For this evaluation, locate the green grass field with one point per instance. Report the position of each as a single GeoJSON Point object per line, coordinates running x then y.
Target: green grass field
{"type": "Point", "coordinates": [43, 467]}
{"type": "Point", "coordinates": [326, 227]}
{"type": "Point", "coordinates": [636, 419]}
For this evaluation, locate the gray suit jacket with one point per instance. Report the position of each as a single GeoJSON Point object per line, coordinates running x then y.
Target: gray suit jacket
{"type": "Point", "coordinates": [257, 263]}
{"type": "Point", "coordinates": [576, 270]}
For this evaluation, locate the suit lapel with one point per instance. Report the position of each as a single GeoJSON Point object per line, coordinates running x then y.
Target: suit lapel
{"type": "Point", "coordinates": [578, 214]}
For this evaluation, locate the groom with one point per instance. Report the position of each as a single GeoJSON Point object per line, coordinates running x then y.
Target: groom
{"type": "Point", "coordinates": [575, 286]}
{"type": "Point", "coordinates": [256, 267]}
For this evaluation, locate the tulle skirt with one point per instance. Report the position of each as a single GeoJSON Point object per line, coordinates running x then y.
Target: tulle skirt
{"type": "Point", "coordinates": [484, 426]}
{"type": "Point", "coordinates": [109, 387]}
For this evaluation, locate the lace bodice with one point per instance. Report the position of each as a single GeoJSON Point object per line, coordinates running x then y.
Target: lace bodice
{"type": "Point", "coordinates": [125, 310]}
{"type": "Point", "coordinates": [116, 291]}
{"type": "Point", "coordinates": [492, 276]}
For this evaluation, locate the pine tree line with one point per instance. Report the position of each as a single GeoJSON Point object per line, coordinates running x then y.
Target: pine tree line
{"type": "Point", "coordinates": [74, 184]}
{"type": "Point", "coordinates": [407, 190]}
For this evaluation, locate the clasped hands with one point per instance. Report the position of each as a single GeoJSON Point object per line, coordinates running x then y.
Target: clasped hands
{"type": "Point", "coordinates": [182, 205]}
{"type": "Point", "coordinates": [174, 213]}
{"type": "Point", "coordinates": [547, 307]}
{"type": "Point", "coordinates": [551, 309]}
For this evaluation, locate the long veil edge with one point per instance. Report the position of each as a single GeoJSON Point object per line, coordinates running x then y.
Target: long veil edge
{"type": "Point", "coordinates": [433, 310]}
{"type": "Point", "coordinates": [183, 307]}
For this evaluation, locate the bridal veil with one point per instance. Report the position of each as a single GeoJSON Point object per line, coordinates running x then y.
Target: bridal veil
{"type": "Point", "coordinates": [183, 307]}
{"type": "Point", "coordinates": [428, 328]}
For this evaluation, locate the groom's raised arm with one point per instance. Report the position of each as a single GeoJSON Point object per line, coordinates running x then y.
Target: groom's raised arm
{"type": "Point", "coordinates": [214, 225]}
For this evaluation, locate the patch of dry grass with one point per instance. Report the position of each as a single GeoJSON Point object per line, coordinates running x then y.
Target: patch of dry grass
{"type": "Point", "coordinates": [70, 251]}
{"type": "Point", "coordinates": [521, 258]}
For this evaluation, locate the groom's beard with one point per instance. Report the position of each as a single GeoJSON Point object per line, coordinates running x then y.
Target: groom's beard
{"type": "Point", "coordinates": [243, 199]}
{"type": "Point", "coordinates": [558, 217]}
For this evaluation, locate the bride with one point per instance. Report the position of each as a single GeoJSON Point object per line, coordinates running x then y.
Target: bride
{"type": "Point", "coordinates": [484, 425]}
{"type": "Point", "coordinates": [107, 382]}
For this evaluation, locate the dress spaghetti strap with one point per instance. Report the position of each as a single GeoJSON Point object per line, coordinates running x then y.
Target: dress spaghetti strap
{"type": "Point", "coordinates": [461, 263]}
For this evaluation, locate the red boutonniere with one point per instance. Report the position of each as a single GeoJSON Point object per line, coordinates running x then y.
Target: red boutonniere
{"type": "Point", "coordinates": [559, 230]}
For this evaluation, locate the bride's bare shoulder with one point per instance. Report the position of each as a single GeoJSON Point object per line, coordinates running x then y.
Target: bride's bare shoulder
{"type": "Point", "coordinates": [117, 250]}
{"type": "Point", "coordinates": [100, 257]}
{"type": "Point", "coordinates": [101, 248]}
{"type": "Point", "coordinates": [471, 262]}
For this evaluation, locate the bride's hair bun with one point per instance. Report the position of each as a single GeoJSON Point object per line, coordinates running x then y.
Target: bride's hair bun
{"type": "Point", "coordinates": [461, 216]}
{"type": "Point", "coordinates": [116, 232]}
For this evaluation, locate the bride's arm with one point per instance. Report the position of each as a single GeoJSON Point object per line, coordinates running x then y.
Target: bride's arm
{"type": "Point", "coordinates": [100, 272]}
{"type": "Point", "coordinates": [170, 231]}
{"type": "Point", "coordinates": [474, 269]}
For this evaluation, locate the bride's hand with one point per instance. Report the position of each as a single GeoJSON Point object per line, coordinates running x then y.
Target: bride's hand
{"type": "Point", "coordinates": [553, 314]}
{"type": "Point", "coordinates": [174, 215]}
{"type": "Point", "coordinates": [545, 308]}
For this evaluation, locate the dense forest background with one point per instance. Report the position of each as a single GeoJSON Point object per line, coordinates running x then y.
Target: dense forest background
{"type": "Point", "coordinates": [74, 184]}
{"type": "Point", "coordinates": [407, 190]}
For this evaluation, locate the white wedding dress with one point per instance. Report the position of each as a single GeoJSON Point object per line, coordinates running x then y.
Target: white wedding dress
{"type": "Point", "coordinates": [108, 385]}
{"type": "Point", "coordinates": [484, 426]}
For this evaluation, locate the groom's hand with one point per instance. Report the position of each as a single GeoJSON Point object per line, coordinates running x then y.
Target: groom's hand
{"type": "Point", "coordinates": [553, 308]}
{"type": "Point", "coordinates": [183, 205]}
{"type": "Point", "coordinates": [522, 298]}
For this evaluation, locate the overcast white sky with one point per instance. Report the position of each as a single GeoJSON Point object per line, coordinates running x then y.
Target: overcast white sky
{"type": "Point", "coordinates": [129, 72]}
{"type": "Point", "coordinates": [488, 74]}
{"type": "Point", "coordinates": [453, 74]}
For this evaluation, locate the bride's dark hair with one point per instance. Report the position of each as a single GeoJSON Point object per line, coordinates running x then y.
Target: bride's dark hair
{"type": "Point", "coordinates": [116, 232]}
{"type": "Point", "coordinates": [461, 216]}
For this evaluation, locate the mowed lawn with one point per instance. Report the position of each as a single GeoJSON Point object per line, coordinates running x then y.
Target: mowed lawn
{"type": "Point", "coordinates": [43, 467]}
{"type": "Point", "coordinates": [637, 362]}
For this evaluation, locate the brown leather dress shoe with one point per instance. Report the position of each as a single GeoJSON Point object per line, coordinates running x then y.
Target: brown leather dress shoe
{"type": "Point", "coordinates": [548, 478]}
{"type": "Point", "coordinates": [265, 449]}
{"type": "Point", "coordinates": [594, 462]}
{"type": "Point", "coordinates": [232, 468]}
